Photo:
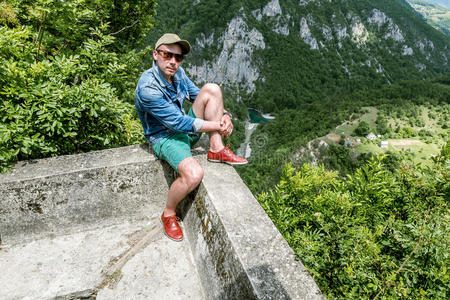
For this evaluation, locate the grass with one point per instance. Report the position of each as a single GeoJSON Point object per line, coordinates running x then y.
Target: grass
{"type": "Point", "coordinates": [415, 147]}
{"type": "Point", "coordinates": [369, 148]}
{"type": "Point", "coordinates": [422, 152]}
{"type": "Point", "coordinates": [348, 127]}
{"type": "Point", "coordinates": [370, 116]}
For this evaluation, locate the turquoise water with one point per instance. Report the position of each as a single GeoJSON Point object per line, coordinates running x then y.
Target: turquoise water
{"type": "Point", "coordinates": [256, 117]}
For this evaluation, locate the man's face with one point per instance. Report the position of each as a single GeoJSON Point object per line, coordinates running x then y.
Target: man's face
{"type": "Point", "coordinates": [168, 58]}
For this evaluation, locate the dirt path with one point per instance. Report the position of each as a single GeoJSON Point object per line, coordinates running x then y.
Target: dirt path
{"type": "Point", "coordinates": [405, 142]}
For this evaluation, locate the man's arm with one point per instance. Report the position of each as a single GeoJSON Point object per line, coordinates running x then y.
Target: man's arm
{"type": "Point", "coordinates": [152, 101]}
{"type": "Point", "coordinates": [209, 126]}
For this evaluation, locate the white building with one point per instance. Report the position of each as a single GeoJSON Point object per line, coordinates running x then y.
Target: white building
{"type": "Point", "coordinates": [384, 144]}
{"type": "Point", "coordinates": [371, 136]}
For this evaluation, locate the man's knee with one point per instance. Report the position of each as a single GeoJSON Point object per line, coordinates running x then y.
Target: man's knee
{"type": "Point", "coordinates": [197, 175]}
{"type": "Point", "coordinates": [213, 89]}
{"type": "Point", "coordinates": [191, 171]}
{"type": "Point", "coordinates": [194, 176]}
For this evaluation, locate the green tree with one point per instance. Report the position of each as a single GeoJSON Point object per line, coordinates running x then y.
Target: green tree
{"type": "Point", "coordinates": [378, 234]}
{"type": "Point", "coordinates": [362, 129]}
{"type": "Point", "coordinates": [67, 75]}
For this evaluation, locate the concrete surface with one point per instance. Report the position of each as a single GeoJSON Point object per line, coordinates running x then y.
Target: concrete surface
{"type": "Point", "coordinates": [239, 250]}
{"type": "Point", "coordinates": [100, 187]}
{"type": "Point", "coordinates": [55, 267]}
{"type": "Point", "coordinates": [87, 227]}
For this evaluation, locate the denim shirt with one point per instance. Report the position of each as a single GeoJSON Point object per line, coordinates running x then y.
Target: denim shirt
{"type": "Point", "coordinates": [159, 104]}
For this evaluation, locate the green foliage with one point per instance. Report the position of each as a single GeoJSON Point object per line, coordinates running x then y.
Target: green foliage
{"type": "Point", "coordinates": [363, 128]}
{"type": "Point", "coordinates": [341, 159]}
{"type": "Point", "coordinates": [406, 132]}
{"type": "Point", "coordinates": [7, 14]}
{"type": "Point", "coordinates": [376, 234]}
{"type": "Point", "coordinates": [444, 157]}
{"type": "Point", "coordinates": [66, 77]}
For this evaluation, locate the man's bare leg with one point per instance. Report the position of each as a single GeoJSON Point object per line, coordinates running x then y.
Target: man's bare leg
{"type": "Point", "coordinates": [191, 174]}
{"type": "Point", "coordinates": [209, 106]}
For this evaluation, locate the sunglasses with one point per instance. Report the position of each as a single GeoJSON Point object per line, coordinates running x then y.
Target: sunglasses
{"type": "Point", "coordinates": [168, 55]}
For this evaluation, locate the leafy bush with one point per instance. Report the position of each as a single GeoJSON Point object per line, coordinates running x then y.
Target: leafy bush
{"type": "Point", "coordinates": [65, 88]}
{"type": "Point", "coordinates": [406, 132]}
{"type": "Point", "coordinates": [363, 129]}
{"type": "Point", "coordinates": [378, 234]}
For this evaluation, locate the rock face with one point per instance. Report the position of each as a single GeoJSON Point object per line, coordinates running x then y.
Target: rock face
{"type": "Point", "coordinates": [407, 50]}
{"type": "Point", "coordinates": [272, 9]}
{"type": "Point", "coordinates": [379, 18]}
{"type": "Point", "coordinates": [359, 32]}
{"type": "Point", "coordinates": [358, 39]}
{"type": "Point", "coordinates": [306, 35]}
{"type": "Point", "coordinates": [233, 66]}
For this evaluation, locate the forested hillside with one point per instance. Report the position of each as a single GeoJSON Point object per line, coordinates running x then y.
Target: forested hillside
{"type": "Point", "coordinates": [314, 48]}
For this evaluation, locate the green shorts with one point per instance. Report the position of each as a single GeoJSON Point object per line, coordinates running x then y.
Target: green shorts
{"type": "Point", "coordinates": [176, 147]}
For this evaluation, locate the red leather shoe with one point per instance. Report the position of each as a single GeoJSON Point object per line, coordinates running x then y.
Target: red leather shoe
{"type": "Point", "coordinates": [226, 156]}
{"type": "Point", "coordinates": [171, 228]}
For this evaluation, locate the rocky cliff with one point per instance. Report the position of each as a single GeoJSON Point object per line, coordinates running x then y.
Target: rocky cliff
{"type": "Point", "coordinates": [241, 45]}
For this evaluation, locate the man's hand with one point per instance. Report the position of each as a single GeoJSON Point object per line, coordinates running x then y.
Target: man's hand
{"type": "Point", "coordinates": [226, 126]}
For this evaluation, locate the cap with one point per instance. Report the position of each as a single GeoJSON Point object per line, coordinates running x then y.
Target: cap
{"type": "Point", "coordinates": [172, 38]}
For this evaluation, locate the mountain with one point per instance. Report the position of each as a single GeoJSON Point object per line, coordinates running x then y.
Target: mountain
{"type": "Point", "coordinates": [275, 54]}
{"type": "Point", "coordinates": [435, 13]}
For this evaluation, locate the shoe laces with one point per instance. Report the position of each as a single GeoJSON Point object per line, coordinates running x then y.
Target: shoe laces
{"type": "Point", "coordinates": [227, 149]}
{"type": "Point", "coordinates": [171, 219]}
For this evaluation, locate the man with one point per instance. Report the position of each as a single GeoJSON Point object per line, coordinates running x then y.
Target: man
{"type": "Point", "coordinates": [159, 98]}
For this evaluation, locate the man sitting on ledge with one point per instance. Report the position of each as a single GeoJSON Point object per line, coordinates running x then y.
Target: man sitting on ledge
{"type": "Point", "coordinates": [159, 98]}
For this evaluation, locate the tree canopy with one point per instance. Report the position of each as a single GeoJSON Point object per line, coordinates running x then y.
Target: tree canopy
{"type": "Point", "coordinates": [67, 75]}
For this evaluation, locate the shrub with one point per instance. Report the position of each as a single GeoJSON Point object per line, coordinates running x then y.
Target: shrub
{"type": "Point", "coordinates": [380, 233]}
{"type": "Point", "coordinates": [66, 88]}
{"type": "Point", "coordinates": [362, 129]}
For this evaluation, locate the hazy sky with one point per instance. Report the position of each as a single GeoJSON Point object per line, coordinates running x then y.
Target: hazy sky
{"type": "Point", "coordinates": [445, 3]}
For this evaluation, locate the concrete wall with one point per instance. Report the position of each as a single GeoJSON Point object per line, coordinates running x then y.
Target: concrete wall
{"type": "Point", "coordinates": [52, 196]}
{"type": "Point", "coordinates": [238, 251]}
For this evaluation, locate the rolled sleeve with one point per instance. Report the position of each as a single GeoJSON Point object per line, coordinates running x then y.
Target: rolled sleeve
{"type": "Point", "coordinates": [198, 123]}
{"type": "Point", "coordinates": [153, 102]}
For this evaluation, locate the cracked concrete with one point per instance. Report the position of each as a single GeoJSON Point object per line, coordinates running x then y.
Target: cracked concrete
{"type": "Point", "coordinates": [87, 227]}
{"type": "Point", "coordinates": [53, 267]}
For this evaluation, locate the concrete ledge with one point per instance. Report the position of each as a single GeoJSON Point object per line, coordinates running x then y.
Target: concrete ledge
{"type": "Point", "coordinates": [240, 252]}
{"type": "Point", "coordinates": [55, 195]}
{"type": "Point", "coordinates": [237, 251]}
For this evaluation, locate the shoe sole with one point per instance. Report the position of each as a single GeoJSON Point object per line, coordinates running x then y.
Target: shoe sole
{"type": "Point", "coordinates": [227, 162]}
{"type": "Point", "coordinates": [175, 240]}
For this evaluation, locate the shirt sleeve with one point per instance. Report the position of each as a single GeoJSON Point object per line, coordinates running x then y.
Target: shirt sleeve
{"type": "Point", "coordinates": [152, 101]}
